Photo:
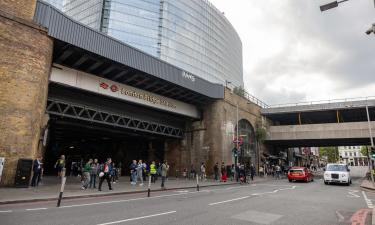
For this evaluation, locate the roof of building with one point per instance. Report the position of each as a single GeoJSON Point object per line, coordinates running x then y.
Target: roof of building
{"type": "Point", "coordinates": [83, 48]}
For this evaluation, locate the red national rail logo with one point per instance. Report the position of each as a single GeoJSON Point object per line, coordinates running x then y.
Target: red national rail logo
{"type": "Point", "coordinates": [113, 87]}
{"type": "Point", "coordinates": [104, 85]}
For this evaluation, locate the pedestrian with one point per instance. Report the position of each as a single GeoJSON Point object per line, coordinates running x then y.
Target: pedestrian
{"type": "Point", "coordinates": [242, 173]}
{"type": "Point", "coordinates": [86, 175]}
{"type": "Point", "coordinates": [222, 170]}
{"type": "Point", "coordinates": [37, 171]}
{"type": "Point", "coordinates": [223, 177]}
{"type": "Point", "coordinates": [140, 172]}
{"type": "Point", "coordinates": [261, 171]}
{"type": "Point", "coordinates": [145, 171]}
{"type": "Point", "coordinates": [94, 173]}
{"type": "Point", "coordinates": [278, 171]}
{"type": "Point", "coordinates": [237, 169]}
{"type": "Point", "coordinates": [203, 172]}
{"type": "Point", "coordinates": [216, 171]}
{"type": "Point", "coordinates": [252, 171]}
{"type": "Point", "coordinates": [133, 172]}
{"type": "Point", "coordinates": [105, 174]}
{"type": "Point", "coordinates": [233, 172]}
{"type": "Point", "coordinates": [192, 172]}
{"type": "Point", "coordinates": [164, 173]}
{"type": "Point", "coordinates": [153, 172]}
{"type": "Point", "coordinates": [60, 165]}
{"type": "Point", "coordinates": [114, 173]}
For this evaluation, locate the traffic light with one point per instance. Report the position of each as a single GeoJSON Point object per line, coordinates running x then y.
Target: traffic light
{"type": "Point", "coordinates": [372, 151]}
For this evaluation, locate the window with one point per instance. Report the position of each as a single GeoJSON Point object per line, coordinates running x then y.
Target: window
{"type": "Point", "coordinates": [346, 154]}
{"type": "Point", "coordinates": [350, 154]}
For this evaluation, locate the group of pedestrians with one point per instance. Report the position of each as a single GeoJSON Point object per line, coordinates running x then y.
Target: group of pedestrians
{"type": "Point", "coordinates": [140, 170]}
{"type": "Point", "coordinates": [105, 171]}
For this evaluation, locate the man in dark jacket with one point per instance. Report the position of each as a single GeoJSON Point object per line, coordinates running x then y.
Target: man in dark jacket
{"type": "Point", "coordinates": [252, 171]}
{"type": "Point", "coordinates": [216, 171]}
{"type": "Point", "coordinates": [105, 173]}
{"type": "Point", "coordinates": [37, 169]}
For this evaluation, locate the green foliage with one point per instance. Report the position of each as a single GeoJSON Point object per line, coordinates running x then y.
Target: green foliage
{"type": "Point", "coordinates": [239, 91]}
{"type": "Point", "coordinates": [260, 132]}
{"type": "Point", "coordinates": [332, 153]}
{"type": "Point", "coordinates": [364, 150]}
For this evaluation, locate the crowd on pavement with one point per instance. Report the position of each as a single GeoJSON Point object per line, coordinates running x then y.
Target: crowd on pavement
{"type": "Point", "coordinates": [92, 172]}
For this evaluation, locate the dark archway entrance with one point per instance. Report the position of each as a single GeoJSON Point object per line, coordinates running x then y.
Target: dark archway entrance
{"type": "Point", "coordinates": [247, 153]}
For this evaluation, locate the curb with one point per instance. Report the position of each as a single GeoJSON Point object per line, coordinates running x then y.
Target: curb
{"type": "Point", "coordinates": [108, 194]}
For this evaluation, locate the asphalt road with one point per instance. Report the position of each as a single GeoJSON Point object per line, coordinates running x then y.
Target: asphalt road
{"type": "Point", "coordinates": [271, 202]}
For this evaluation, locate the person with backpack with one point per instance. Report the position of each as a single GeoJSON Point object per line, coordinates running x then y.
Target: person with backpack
{"type": "Point", "coordinates": [105, 174]}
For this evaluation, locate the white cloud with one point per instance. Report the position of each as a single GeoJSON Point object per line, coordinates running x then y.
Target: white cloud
{"type": "Point", "coordinates": [293, 52]}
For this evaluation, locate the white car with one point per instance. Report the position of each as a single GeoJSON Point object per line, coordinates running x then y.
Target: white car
{"type": "Point", "coordinates": [337, 173]}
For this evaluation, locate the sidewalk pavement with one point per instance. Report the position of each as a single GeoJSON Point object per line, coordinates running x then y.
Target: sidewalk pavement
{"type": "Point", "coordinates": [49, 189]}
{"type": "Point", "coordinates": [367, 184]}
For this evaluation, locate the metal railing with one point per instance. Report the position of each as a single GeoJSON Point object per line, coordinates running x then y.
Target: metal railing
{"type": "Point", "coordinates": [331, 101]}
{"type": "Point", "coordinates": [247, 95]}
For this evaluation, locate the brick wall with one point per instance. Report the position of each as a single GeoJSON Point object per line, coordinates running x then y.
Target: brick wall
{"type": "Point", "coordinates": [23, 9]}
{"type": "Point", "coordinates": [26, 54]}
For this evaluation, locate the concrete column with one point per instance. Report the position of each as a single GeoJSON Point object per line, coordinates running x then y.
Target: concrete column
{"type": "Point", "coordinates": [26, 55]}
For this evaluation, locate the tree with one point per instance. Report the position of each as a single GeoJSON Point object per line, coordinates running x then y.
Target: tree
{"type": "Point", "coordinates": [240, 91]}
{"type": "Point", "coordinates": [260, 136]}
{"type": "Point", "coordinates": [364, 150]}
{"type": "Point", "coordinates": [332, 153]}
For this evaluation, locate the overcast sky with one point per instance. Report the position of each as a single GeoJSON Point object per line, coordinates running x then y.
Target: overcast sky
{"type": "Point", "coordinates": [292, 52]}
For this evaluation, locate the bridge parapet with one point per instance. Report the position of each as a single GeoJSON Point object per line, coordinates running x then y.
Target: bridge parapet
{"type": "Point", "coordinates": [320, 105]}
{"type": "Point", "coordinates": [320, 134]}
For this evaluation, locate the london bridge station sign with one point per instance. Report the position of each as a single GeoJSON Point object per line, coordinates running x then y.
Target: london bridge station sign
{"type": "Point", "coordinates": [92, 83]}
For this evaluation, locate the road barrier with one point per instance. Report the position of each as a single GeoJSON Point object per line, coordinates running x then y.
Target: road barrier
{"type": "Point", "coordinates": [63, 181]}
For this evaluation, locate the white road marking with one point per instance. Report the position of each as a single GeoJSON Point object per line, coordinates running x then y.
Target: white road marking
{"type": "Point", "coordinates": [230, 200]}
{"type": "Point", "coordinates": [341, 217]}
{"type": "Point", "coordinates": [352, 195]}
{"type": "Point", "coordinates": [274, 191]}
{"type": "Point", "coordinates": [35, 209]}
{"type": "Point", "coordinates": [125, 200]}
{"type": "Point", "coordinates": [138, 218]}
{"type": "Point", "coordinates": [6, 211]}
{"type": "Point", "coordinates": [368, 201]}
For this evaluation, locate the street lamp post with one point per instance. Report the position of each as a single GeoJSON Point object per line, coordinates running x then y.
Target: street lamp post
{"type": "Point", "coordinates": [372, 144]}
{"type": "Point", "coordinates": [331, 5]}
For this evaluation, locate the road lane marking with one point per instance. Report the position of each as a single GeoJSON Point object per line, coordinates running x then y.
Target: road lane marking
{"type": "Point", "coordinates": [35, 209]}
{"type": "Point", "coordinates": [6, 211]}
{"type": "Point", "coordinates": [368, 201]}
{"type": "Point", "coordinates": [274, 191]}
{"type": "Point", "coordinates": [138, 218]}
{"type": "Point", "coordinates": [341, 218]}
{"type": "Point", "coordinates": [230, 200]}
{"type": "Point", "coordinates": [125, 200]}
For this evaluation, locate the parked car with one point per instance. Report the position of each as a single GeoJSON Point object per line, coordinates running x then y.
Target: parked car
{"type": "Point", "coordinates": [337, 173]}
{"type": "Point", "coordinates": [300, 173]}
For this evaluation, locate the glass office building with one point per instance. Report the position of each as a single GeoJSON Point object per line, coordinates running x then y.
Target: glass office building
{"type": "Point", "coordinates": [190, 34]}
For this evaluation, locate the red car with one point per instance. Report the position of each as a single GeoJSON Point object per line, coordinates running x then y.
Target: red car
{"type": "Point", "coordinates": [300, 173]}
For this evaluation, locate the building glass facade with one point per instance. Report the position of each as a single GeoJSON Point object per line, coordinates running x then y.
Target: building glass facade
{"type": "Point", "coordinates": [192, 35]}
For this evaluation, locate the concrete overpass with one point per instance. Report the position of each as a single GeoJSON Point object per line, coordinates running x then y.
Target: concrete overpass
{"type": "Point", "coordinates": [323, 123]}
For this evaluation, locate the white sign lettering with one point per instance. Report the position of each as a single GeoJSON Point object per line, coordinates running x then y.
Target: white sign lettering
{"type": "Point", "coordinates": [188, 76]}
